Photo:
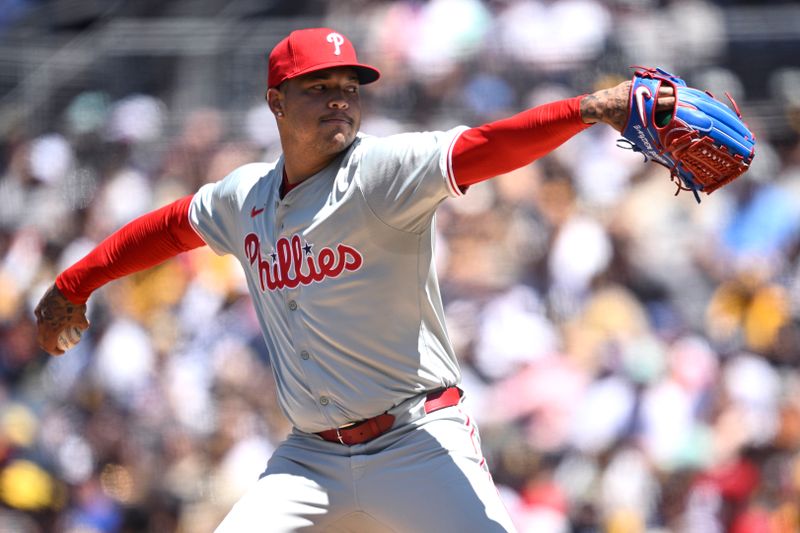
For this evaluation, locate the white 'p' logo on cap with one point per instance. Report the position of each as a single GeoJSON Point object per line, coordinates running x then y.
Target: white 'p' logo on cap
{"type": "Point", "coordinates": [337, 41]}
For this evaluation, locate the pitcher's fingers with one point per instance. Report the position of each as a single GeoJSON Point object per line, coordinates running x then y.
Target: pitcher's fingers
{"type": "Point", "coordinates": [665, 102]}
{"type": "Point", "coordinates": [49, 345]}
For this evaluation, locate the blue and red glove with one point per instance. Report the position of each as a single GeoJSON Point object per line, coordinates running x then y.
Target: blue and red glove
{"type": "Point", "coordinates": [704, 143]}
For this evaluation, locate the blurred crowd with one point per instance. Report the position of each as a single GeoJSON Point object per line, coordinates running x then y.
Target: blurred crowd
{"type": "Point", "coordinates": [633, 358]}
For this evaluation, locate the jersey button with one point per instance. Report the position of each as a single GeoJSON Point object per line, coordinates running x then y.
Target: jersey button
{"type": "Point", "coordinates": [304, 355]}
{"type": "Point", "coordinates": [323, 400]}
{"type": "Point", "coordinates": [292, 305]}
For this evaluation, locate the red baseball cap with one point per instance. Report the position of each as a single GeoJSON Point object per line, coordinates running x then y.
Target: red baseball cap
{"type": "Point", "coordinates": [313, 49]}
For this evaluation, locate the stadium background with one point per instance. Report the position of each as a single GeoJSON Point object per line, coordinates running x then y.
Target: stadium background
{"type": "Point", "coordinates": [632, 357]}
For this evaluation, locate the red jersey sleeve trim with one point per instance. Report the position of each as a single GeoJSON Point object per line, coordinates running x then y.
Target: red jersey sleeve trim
{"type": "Point", "coordinates": [505, 145]}
{"type": "Point", "coordinates": [452, 184]}
{"type": "Point", "coordinates": [141, 244]}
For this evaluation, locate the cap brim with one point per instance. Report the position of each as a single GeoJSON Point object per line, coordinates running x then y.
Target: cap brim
{"type": "Point", "coordinates": [366, 73]}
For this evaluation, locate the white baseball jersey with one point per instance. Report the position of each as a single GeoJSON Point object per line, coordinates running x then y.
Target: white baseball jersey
{"type": "Point", "coordinates": [342, 273]}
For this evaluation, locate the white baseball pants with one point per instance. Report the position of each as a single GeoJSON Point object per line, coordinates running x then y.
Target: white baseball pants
{"type": "Point", "coordinates": [427, 474]}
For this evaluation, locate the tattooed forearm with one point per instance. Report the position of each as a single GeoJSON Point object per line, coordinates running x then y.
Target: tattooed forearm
{"type": "Point", "coordinates": [590, 109]}
{"type": "Point", "coordinates": [56, 311]}
{"type": "Point", "coordinates": [607, 105]}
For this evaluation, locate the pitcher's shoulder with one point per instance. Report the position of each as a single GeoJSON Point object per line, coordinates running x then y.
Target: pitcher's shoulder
{"type": "Point", "coordinates": [253, 172]}
{"type": "Point", "coordinates": [248, 176]}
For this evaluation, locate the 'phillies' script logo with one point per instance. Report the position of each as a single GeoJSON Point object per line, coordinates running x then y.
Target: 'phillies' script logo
{"type": "Point", "coordinates": [293, 263]}
{"type": "Point", "coordinates": [337, 41]}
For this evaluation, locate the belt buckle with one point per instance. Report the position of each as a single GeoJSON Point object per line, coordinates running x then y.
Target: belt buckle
{"type": "Point", "coordinates": [346, 426]}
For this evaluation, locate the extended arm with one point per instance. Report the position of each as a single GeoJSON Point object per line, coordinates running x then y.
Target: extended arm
{"type": "Point", "coordinates": [141, 244]}
{"type": "Point", "coordinates": [499, 147]}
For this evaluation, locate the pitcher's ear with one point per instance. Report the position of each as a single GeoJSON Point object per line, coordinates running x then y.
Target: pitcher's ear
{"type": "Point", "coordinates": [275, 101]}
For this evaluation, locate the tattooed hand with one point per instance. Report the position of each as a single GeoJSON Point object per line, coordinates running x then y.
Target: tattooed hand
{"type": "Point", "coordinates": [611, 105]}
{"type": "Point", "coordinates": [53, 315]}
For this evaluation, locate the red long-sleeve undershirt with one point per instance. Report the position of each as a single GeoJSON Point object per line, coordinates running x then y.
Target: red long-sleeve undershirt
{"type": "Point", "coordinates": [140, 244]}
{"type": "Point", "coordinates": [478, 154]}
{"type": "Point", "coordinates": [502, 146]}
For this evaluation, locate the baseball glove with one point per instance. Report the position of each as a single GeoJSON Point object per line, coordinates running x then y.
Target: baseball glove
{"type": "Point", "coordinates": [703, 143]}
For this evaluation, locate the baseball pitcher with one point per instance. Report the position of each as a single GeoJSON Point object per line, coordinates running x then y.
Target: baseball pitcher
{"type": "Point", "coordinates": [336, 239]}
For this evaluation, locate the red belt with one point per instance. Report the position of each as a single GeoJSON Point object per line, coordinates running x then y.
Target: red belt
{"type": "Point", "coordinates": [371, 428]}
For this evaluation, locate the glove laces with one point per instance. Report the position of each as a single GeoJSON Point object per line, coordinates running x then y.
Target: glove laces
{"type": "Point", "coordinates": [674, 174]}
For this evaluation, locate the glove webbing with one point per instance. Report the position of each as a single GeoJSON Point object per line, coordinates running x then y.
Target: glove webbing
{"type": "Point", "coordinates": [674, 176]}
